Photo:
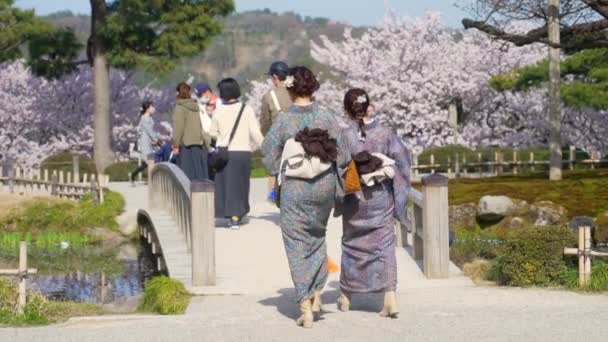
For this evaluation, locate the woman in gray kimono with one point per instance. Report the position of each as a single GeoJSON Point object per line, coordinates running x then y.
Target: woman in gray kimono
{"type": "Point", "coordinates": [148, 138]}
{"type": "Point", "coordinates": [305, 203]}
{"type": "Point", "coordinates": [369, 262]}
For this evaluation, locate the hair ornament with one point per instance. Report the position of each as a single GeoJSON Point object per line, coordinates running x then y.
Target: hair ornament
{"type": "Point", "coordinates": [362, 99]}
{"type": "Point", "coordinates": [289, 80]}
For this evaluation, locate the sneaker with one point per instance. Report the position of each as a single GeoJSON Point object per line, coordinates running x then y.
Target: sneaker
{"type": "Point", "coordinates": [235, 223]}
{"type": "Point", "coordinates": [272, 196]}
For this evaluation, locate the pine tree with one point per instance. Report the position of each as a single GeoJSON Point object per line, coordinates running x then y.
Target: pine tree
{"type": "Point", "coordinates": [17, 26]}
{"type": "Point", "coordinates": [584, 79]}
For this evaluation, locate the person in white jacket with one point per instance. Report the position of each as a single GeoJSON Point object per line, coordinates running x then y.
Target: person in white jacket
{"type": "Point", "coordinates": [233, 181]}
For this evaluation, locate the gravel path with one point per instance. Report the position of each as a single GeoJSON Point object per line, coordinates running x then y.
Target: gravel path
{"type": "Point", "coordinates": [256, 303]}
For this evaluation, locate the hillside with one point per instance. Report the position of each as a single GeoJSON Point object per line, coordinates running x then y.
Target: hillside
{"type": "Point", "coordinates": [249, 43]}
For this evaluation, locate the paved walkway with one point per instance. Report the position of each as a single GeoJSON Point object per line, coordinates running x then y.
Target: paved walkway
{"type": "Point", "coordinates": [256, 303]}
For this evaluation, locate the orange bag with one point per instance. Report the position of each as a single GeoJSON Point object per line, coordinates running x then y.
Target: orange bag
{"type": "Point", "coordinates": [352, 182]}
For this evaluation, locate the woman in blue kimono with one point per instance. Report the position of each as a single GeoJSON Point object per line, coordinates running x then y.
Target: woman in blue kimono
{"type": "Point", "coordinates": [306, 204]}
{"type": "Point", "coordinates": [369, 262]}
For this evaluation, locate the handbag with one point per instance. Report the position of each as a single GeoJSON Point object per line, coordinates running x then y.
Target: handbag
{"type": "Point", "coordinates": [219, 159]}
{"type": "Point", "coordinates": [352, 182]}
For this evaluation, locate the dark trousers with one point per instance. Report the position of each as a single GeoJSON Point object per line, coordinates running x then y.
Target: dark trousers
{"type": "Point", "coordinates": [139, 170]}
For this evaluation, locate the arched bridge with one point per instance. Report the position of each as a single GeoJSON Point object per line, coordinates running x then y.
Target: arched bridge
{"type": "Point", "coordinates": [175, 216]}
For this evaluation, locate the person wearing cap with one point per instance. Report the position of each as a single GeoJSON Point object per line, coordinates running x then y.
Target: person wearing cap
{"type": "Point", "coordinates": [274, 102]}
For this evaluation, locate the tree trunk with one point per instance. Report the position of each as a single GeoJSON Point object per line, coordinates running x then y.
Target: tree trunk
{"type": "Point", "coordinates": [102, 122]}
{"type": "Point", "coordinates": [555, 102]}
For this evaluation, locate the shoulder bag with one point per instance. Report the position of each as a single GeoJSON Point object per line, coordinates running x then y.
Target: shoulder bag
{"type": "Point", "coordinates": [219, 159]}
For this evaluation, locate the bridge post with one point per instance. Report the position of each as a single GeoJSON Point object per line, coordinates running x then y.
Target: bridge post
{"type": "Point", "coordinates": [436, 249]}
{"type": "Point", "coordinates": [203, 233]}
{"type": "Point", "coordinates": [76, 168]}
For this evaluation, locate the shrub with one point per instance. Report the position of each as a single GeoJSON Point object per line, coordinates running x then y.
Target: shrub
{"type": "Point", "coordinates": [104, 215]}
{"type": "Point", "coordinates": [36, 310]}
{"type": "Point", "coordinates": [165, 296]}
{"type": "Point", "coordinates": [64, 162]}
{"type": "Point", "coordinates": [65, 216]}
{"type": "Point", "coordinates": [474, 244]}
{"type": "Point", "coordinates": [119, 172]}
{"type": "Point", "coordinates": [477, 270]}
{"type": "Point", "coordinates": [533, 256]}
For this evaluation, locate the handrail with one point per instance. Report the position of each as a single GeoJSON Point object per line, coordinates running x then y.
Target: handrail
{"type": "Point", "coordinates": [429, 226]}
{"type": "Point", "coordinates": [169, 190]}
{"type": "Point", "coordinates": [191, 206]}
{"type": "Point", "coordinates": [416, 197]}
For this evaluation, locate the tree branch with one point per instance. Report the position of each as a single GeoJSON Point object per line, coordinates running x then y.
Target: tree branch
{"type": "Point", "coordinates": [570, 34]}
{"type": "Point", "coordinates": [600, 6]}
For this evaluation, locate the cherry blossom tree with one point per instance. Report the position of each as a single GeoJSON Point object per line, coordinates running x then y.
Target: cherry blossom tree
{"type": "Point", "coordinates": [414, 68]}
{"type": "Point", "coordinates": [39, 118]}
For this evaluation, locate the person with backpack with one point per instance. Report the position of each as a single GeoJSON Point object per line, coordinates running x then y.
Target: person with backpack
{"type": "Point", "coordinates": [274, 102]}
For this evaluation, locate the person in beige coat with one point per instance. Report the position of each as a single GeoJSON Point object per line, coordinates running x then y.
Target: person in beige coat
{"type": "Point", "coordinates": [274, 102]}
{"type": "Point", "coordinates": [233, 181]}
{"type": "Point", "coordinates": [189, 141]}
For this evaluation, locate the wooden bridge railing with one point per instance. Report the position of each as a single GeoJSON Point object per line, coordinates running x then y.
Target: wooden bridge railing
{"type": "Point", "coordinates": [53, 183]}
{"type": "Point", "coordinates": [191, 205]}
{"type": "Point", "coordinates": [495, 164]}
{"type": "Point", "coordinates": [429, 226]}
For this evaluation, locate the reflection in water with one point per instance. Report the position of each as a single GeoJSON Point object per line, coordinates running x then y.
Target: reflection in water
{"type": "Point", "coordinates": [98, 287]}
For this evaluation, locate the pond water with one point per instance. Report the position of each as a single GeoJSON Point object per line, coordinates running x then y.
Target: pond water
{"type": "Point", "coordinates": [87, 272]}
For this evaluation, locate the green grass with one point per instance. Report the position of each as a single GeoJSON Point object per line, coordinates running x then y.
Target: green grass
{"type": "Point", "coordinates": [599, 277]}
{"type": "Point", "coordinates": [582, 193]}
{"type": "Point", "coordinates": [165, 296]}
{"type": "Point", "coordinates": [38, 310]}
{"type": "Point", "coordinates": [50, 215]}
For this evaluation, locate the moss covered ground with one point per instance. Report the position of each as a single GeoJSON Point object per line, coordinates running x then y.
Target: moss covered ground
{"type": "Point", "coordinates": [582, 192]}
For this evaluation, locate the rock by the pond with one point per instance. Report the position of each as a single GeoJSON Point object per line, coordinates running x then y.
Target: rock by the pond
{"type": "Point", "coordinates": [127, 223]}
{"type": "Point", "coordinates": [600, 235]}
{"type": "Point", "coordinates": [108, 238]}
{"type": "Point", "coordinates": [580, 221]}
{"type": "Point", "coordinates": [547, 213]}
{"type": "Point", "coordinates": [127, 252]}
{"type": "Point", "coordinates": [494, 208]}
{"type": "Point", "coordinates": [463, 216]}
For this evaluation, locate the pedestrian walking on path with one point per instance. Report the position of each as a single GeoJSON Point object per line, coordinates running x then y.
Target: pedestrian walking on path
{"type": "Point", "coordinates": [369, 263]}
{"type": "Point", "coordinates": [277, 100]}
{"type": "Point", "coordinates": [189, 140]}
{"type": "Point", "coordinates": [306, 204]}
{"type": "Point", "coordinates": [147, 138]}
{"type": "Point", "coordinates": [235, 127]}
